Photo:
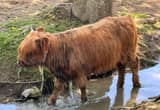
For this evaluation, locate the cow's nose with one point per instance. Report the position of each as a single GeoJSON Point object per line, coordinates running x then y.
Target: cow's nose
{"type": "Point", "coordinates": [17, 64]}
{"type": "Point", "coordinates": [20, 63]}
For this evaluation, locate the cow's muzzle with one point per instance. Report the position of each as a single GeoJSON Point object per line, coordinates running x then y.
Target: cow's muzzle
{"type": "Point", "coordinates": [21, 63]}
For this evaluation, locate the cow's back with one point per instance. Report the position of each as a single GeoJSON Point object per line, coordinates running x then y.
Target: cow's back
{"type": "Point", "coordinates": [101, 46]}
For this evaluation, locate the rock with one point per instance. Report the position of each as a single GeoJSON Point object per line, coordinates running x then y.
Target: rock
{"type": "Point", "coordinates": [148, 106]}
{"type": "Point", "coordinates": [63, 10]}
{"type": "Point", "coordinates": [91, 10]}
{"type": "Point", "coordinates": [31, 93]}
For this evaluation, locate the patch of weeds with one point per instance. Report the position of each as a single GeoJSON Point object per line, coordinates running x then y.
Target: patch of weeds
{"type": "Point", "coordinates": [149, 28]}
{"type": "Point", "coordinates": [140, 15]}
{"type": "Point", "coordinates": [156, 25]}
{"type": "Point", "coordinates": [134, 15]}
{"type": "Point", "coordinates": [18, 23]}
{"type": "Point", "coordinates": [146, 29]}
{"type": "Point", "coordinates": [61, 25]}
{"type": "Point", "coordinates": [142, 28]}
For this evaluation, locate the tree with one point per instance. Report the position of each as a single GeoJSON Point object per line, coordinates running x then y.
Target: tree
{"type": "Point", "coordinates": [91, 10]}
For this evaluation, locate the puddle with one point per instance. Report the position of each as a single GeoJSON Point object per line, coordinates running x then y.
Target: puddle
{"type": "Point", "coordinates": [7, 107]}
{"type": "Point", "coordinates": [103, 94]}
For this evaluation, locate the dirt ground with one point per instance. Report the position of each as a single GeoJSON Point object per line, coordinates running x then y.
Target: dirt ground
{"type": "Point", "coordinates": [151, 7]}
{"type": "Point", "coordinates": [13, 9]}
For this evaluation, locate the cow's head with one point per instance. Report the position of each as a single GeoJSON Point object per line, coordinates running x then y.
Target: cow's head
{"type": "Point", "coordinates": [33, 49]}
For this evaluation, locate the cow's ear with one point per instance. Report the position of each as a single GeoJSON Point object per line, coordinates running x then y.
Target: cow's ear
{"type": "Point", "coordinates": [40, 29]}
{"type": "Point", "coordinates": [42, 43]}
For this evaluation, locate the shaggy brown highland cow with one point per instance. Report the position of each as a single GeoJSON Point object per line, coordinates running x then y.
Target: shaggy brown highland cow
{"type": "Point", "coordinates": [74, 54]}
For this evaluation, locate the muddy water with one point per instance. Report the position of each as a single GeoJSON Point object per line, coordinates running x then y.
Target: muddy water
{"type": "Point", "coordinates": [102, 94]}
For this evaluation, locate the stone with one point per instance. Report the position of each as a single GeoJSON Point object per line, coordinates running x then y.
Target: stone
{"type": "Point", "coordinates": [91, 10]}
{"type": "Point", "coordinates": [63, 10]}
{"type": "Point", "coordinates": [31, 92]}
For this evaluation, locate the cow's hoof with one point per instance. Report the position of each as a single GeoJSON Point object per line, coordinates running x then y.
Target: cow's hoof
{"type": "Point", "coordinates": [136, 85]}
{"type": "Point", "coordinates": [51, 101]}
{"type": "Point", "coordinates": [84, 99]}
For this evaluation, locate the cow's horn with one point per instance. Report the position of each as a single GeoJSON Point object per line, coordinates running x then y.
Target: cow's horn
{"type": "Point", "coordinates": [32, 28]}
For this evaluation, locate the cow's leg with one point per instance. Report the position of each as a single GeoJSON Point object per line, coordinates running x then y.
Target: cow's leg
{"type": "Point", "coordinates": [58, 86]}
{"type": "Point", "coordinates": [121, 73]}
{"type": "Point", "coordinates": [134, 65]}
{"type": "Point", "coordinates": [81, 83]}
{"type": "Point", "coordinates": [71, 89]}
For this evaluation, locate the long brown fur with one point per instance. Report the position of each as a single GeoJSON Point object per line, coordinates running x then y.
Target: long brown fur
{"type": "Point", "coordinates": [95, 48]}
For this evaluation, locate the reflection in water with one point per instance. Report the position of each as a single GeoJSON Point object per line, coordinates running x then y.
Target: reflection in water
{"type": "Point", "coordinates": [128, 96]}
{"type": "Point", "coordinates": [133, 97]}
{"type": "Point", "coordinates": [7, 107]}
{"type": "Point", "coordinates": [104, 95]}
{"type": "Point", "coordinates": [98, 101]}
{"type": "Point", "coordinates": [122, 96]}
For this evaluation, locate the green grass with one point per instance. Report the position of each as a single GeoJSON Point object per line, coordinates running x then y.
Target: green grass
{"type": "Point", "coordinates": [156, 25]}
{"type": "Point", "coordinates": [134, 15]}
{"type": "Point", "coordinates": [13, 32]}
{"type": "Point", "coordinates": [147, 29]}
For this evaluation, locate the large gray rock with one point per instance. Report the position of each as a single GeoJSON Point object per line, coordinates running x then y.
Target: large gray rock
{"type": "Point", "coordinates": [91, 10]}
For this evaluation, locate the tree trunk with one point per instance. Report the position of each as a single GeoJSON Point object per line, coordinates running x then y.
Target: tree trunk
{"type": "Point", "coordinates": [91, 10]}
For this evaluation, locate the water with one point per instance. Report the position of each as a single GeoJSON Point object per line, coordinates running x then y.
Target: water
{"type": "Point", "coordinates": [7, 107]}
{"type": "Point", "coordinates": [102, 94]}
